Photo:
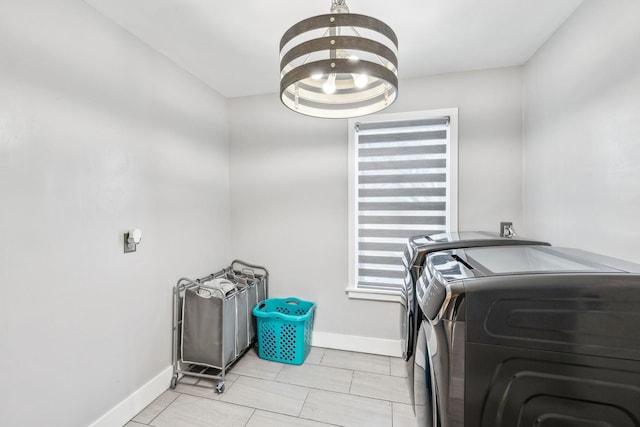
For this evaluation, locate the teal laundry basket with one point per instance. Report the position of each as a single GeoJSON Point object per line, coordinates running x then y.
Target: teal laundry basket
{"type": "Point", "coordinates": [284, 329]}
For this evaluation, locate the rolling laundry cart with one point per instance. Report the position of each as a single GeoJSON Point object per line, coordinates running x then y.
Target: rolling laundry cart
{"type": "Point", "coordinates": [212, 321]}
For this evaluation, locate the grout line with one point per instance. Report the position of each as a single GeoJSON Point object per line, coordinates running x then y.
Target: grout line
{"type": "Point", "coordinates": [304, 403]}
{"type": "Point", "coordinates": [283, 365]}
{"type": "Point", "coordinates": [163, 409]}
{"type": "Point", "coordinates": [324, 352]}
{"type": "Point", "coordinates": [251, 416]}
{"type": "Point", "coordinates": [280, 381]}
{"type": "Point", "coordinates": [391, 414]}
{"type": "Point", "coordinates": [381, 398]}
{"type": "Point", "coordinates": [302, 386]}
{"type": "Point", "coordinates": [362, 371]}
{"type": "Point", "coordinates": [301, 418]}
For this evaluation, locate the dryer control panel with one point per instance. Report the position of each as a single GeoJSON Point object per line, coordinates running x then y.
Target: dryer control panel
{"type": "Point", "coordinates": [442, 271]}
{"type": "Point", "coordinates": [435, 296]}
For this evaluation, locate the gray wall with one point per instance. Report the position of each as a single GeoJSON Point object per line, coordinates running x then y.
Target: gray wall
{"type": "Point", "coordinates": [581, 148]}
{"type": "Point", "coordinates": [289, 187]}
{"type": "Point", "coordinates": [97, 134]}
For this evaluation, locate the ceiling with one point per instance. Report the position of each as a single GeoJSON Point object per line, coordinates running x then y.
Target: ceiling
{"type": "Point", "coordinates": [232, 46]}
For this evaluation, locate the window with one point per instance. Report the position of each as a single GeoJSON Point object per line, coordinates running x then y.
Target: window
{"type": "Point", "coordinates": [402, 182]}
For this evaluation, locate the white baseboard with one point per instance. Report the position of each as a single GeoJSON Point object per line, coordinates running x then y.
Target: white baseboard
{"type": "Point", "coordinates": [356, 343]}
{"type": "Point", "coordinates": [136, 402]}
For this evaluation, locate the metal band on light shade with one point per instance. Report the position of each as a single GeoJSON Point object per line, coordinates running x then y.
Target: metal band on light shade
{"type": "Point", "coordinates": [362, 71]}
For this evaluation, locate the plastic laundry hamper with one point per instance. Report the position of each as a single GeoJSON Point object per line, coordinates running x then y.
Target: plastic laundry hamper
{"type": "Point", "coordinates": [284, 329]}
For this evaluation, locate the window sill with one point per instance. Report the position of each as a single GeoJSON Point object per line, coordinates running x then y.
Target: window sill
{"type": "Point", "coordinates": [355, 293]}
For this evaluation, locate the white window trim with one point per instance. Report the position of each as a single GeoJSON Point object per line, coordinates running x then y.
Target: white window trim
{"type": "Point", "coordinates": [452, 196]}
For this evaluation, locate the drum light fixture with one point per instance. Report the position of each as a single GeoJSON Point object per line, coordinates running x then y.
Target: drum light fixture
{"type": "Point", "coordinates": [338, 65]}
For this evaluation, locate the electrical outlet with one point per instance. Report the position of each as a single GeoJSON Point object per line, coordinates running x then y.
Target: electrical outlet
{"type": "Point", "coordinates": [504, 226]}
{"type": "Point", "coordinates": [128, 247]}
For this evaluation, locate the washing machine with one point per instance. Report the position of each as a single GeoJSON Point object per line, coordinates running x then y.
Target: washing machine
{"type": "Point", "coordinates": [519, 336]}
{"type": "Point", "coordinates": [418, 247]}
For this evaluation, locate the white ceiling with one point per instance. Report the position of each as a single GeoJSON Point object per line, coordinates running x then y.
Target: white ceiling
{"type": "Point", "coordinates": [232, 45]}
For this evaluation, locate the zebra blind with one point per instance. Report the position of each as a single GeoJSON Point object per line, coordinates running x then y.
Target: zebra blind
{"type": "Point", "coordinates": [402, 178]}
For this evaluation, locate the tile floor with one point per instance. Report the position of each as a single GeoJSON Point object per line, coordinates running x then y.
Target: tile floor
{"type": "Point", "coordinates": [331, 388]}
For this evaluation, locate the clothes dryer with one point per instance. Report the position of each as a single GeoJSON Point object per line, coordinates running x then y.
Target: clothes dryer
{"type": "Point", "coordinates": [527, 336]}
{"type": "Point", "coordinates": [418, 247]}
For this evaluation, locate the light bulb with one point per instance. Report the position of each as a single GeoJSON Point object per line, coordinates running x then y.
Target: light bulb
{"type": "Point", "coordinates": [329, 86]}
{"type": "Point", "coordinates": [316, 76]}
{"type": "Point", "coordinates": [360, 80]}
{"type": "Point", "coordinates": [353, 58]}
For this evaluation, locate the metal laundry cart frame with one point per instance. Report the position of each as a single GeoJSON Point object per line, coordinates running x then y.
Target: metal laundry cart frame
{"type": "Point", "coordinates": [239, 272]}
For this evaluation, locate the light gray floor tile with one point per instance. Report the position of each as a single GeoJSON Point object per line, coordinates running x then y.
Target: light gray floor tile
{"type": "Point", "coordinates": [195, 390]}
{"type": "Point", "coordinates": [134, 424]}
{"type": "Point", "coordinates": [315, 356]}
{"type": "Point", "coordinates": [268, 395]}
{"type": "Point", "coordinates": [155, 407]}
{"type": "Point", "coordinates": [270, 419]}
{"type": "Point", "coordinates": [316, 376]}
{"type": "Point", "coordinates": [332, 387]}
{"type": "Point", "coordinates": [346, 410]}
{"type": "Point", "coordinates": [191, 411]}
{"type": "Point", "coordinates": [356, 361]}
{"type": "Point", "coordinates": [403, 415]}
{"type": "Point", "coordinates": [252, 366]}
{"type": "Point", "coordinates": [398, 367]}
{"type": "Point", "coordinates": [187, 379]}
{"type": "Point", "coordinates": [205, 387]}
{"type": "Point", "coordinates": [382, 387]}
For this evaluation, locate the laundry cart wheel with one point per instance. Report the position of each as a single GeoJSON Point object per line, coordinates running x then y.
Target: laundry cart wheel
{"type": "Point", "coordinates": [220, 388]}
{"type": "Point", "coordinates": [174, 382]}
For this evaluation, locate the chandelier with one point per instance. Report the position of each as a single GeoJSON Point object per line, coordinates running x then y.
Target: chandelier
{"type": "Point", "coordinates": [338, 65]}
